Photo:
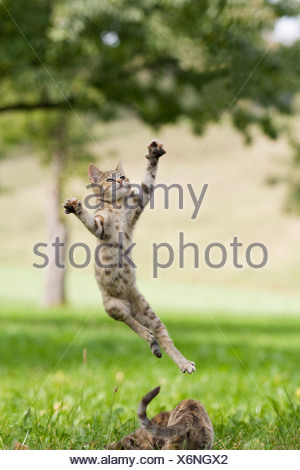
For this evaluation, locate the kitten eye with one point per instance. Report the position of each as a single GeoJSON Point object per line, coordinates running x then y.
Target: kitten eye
{"type": "Point", "coordinates": [122, 177]}
{"type": "Point", "coordinates": [109, 180]}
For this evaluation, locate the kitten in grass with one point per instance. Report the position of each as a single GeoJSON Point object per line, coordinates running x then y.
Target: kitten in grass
{"type": "Point", "coordinates": [188, 426]}
{"type": "Point", "coordinates": [119, 208]}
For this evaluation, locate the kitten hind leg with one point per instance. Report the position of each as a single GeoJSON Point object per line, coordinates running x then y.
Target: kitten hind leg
{"type": "Point", "coordinates": [147, 317]}
{"type": "Point", "coordinates": [161, 334]}
{"type": "Point", "coordinates": [120, 310]}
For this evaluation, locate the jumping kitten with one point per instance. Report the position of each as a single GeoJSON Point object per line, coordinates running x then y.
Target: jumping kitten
{"type": "Point", "coordinates": [119, 207]}
{"type": "Point", "coordinates": [186, 427]}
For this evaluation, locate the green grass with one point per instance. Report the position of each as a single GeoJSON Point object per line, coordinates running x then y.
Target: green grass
{"type": "Point", "coordinates": [248, 382]}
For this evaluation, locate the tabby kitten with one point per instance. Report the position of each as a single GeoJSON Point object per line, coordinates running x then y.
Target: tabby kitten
{"type": "Point", "coordinates": [186, 427]}
{"type": "Point", "coordinates": [119, 207]}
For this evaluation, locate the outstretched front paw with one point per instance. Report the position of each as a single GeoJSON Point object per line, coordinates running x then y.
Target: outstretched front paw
{"type": "Point", "coordinates": [73, 206]}
{"type": "Point", "coordinates": [188, 367]}
{"type": "Point", "coordinates": [155, 149]}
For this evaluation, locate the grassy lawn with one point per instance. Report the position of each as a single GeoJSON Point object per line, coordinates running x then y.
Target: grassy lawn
{"type": "Point", "coordinates": [247, 377]}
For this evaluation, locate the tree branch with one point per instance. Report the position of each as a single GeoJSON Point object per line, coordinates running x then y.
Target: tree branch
{"type": "Point", "coordinates": [34, 106]}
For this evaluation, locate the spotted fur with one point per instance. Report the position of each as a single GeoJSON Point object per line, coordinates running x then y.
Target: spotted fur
{"type": "Point", "coordinates": [188, 426]}
{"type": "Point", "coordinates": [113, 224]}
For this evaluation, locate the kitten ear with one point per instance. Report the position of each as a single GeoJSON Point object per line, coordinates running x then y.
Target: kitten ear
{"type": "Point", "coordinates": [120, 167]}
{"type": "Point", "coordinates": [94, 173]}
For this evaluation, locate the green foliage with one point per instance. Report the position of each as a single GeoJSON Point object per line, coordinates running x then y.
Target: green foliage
{"type": "Point", "coordinates": [43, 133]}
{"type": "Point", "coordinates": [249, 385]}
{"type": "Point", "coordinates": [163, 60]}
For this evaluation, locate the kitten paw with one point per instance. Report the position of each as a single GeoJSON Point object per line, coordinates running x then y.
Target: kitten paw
{"type": "Point", "coordinates": [155, 149]}
{"type": "Point", "coordinates": [188, 367]}
{"type": "Point", "coordinates": [155, 349]}
{"type": "Point", "coordinates": [73, 206]}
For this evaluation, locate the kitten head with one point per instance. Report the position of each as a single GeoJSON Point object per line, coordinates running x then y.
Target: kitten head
{"type": "Point", "coordinates": [110, 185]}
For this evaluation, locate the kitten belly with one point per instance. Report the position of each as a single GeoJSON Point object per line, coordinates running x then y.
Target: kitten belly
{"type": "Point", "coordinates": [114, 275]}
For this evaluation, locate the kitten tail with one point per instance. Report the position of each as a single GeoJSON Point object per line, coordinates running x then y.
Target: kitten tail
{"type": "Point", "coordinates": [144, 421]}
{"type": "Point", "coordinates": [154, 429]}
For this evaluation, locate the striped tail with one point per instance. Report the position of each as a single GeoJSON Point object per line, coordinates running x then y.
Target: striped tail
{"type": "Point", "coordinates": [154, 429]}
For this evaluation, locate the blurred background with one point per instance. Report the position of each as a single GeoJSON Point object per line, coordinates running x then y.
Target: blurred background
{"type": "Point", "coordinates": [96, 82]}
{"type": "Point", "coordinates": [218, 83]}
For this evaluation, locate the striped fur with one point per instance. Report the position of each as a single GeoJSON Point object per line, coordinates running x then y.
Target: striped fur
{"type": "Point", "coordinates": [112, 225]}
{"type": "Point", "coordinates": [188, 426]}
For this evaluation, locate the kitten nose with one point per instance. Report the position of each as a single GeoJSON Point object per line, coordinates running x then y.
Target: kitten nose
{"type": "Point", "coordinates": [120, 181]}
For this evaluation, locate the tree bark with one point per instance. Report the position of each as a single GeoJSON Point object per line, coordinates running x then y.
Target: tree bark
{"type": "Point", "coordinates": [55, 293]}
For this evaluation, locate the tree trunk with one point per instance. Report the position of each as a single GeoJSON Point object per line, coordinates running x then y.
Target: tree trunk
{"type": "Point", "coordinates": [55, 276]}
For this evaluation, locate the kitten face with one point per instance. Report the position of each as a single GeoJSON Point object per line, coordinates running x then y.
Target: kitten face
{"type": "Point", "coordinates": [114, 185]}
